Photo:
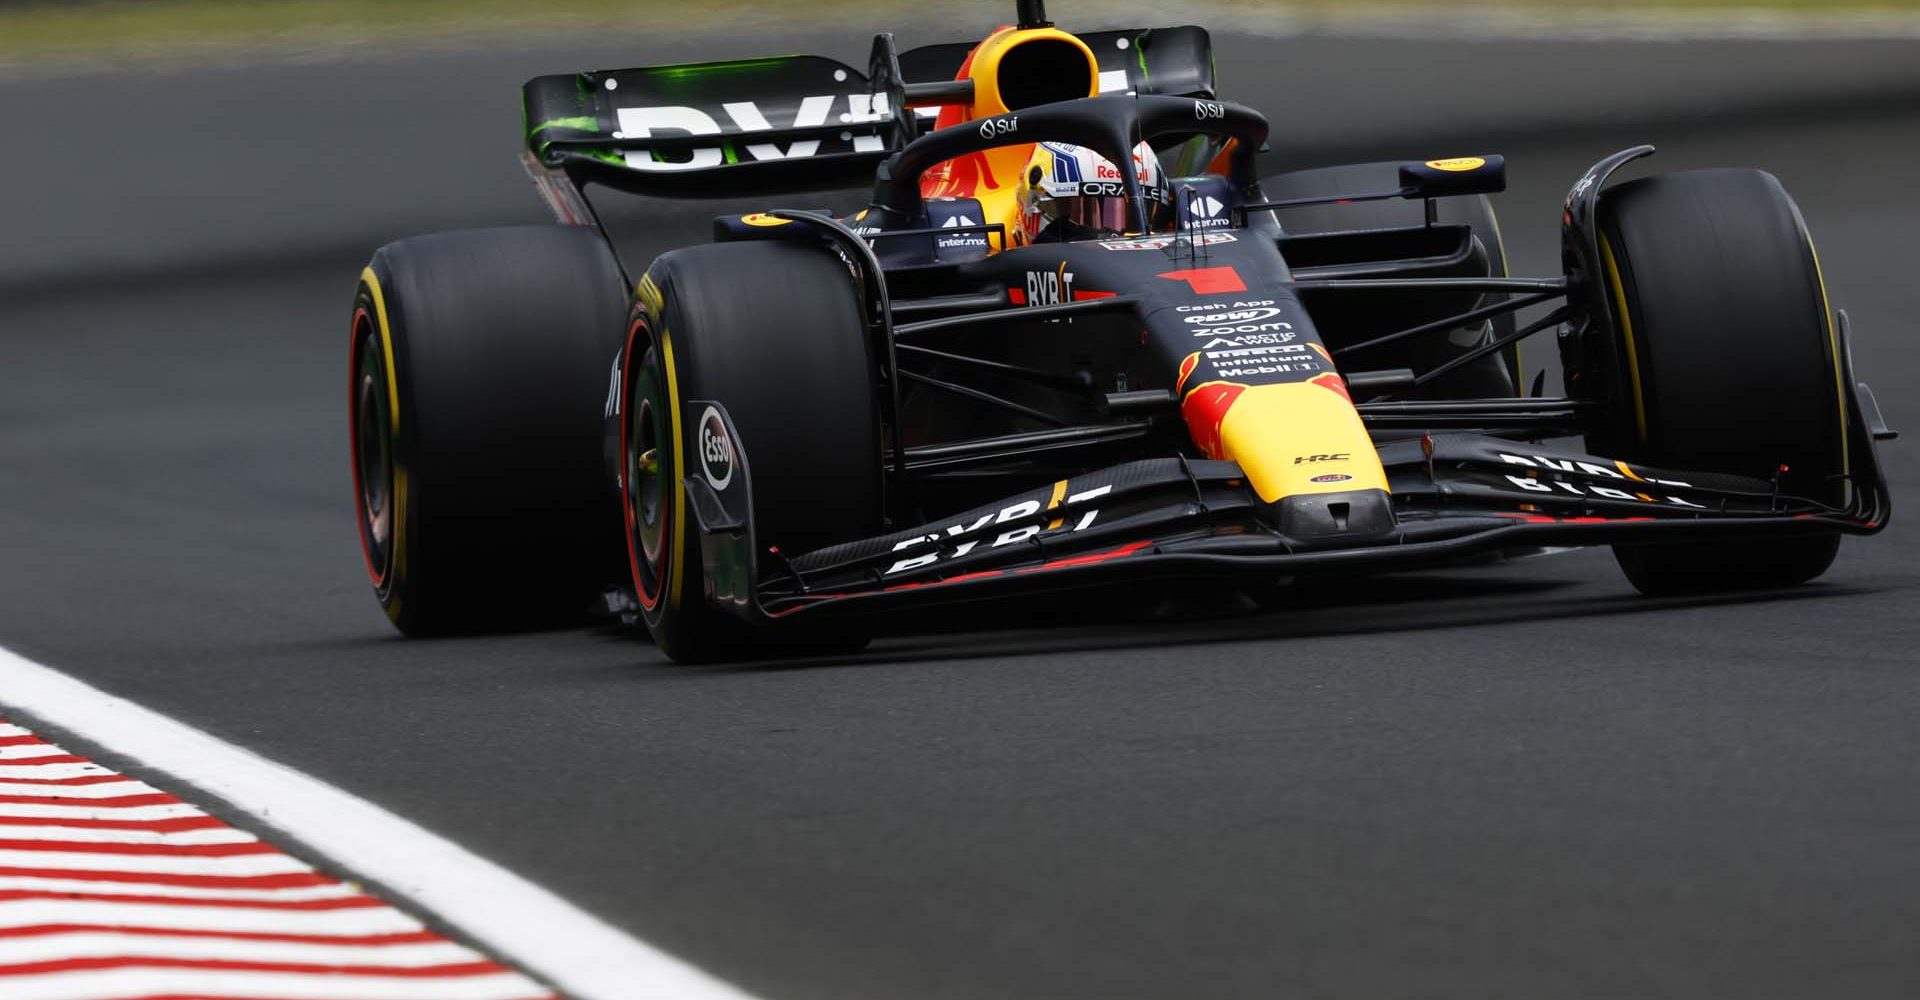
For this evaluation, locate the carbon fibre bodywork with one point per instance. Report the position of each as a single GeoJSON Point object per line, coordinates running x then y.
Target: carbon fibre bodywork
{"type": "Point", "coordinates": [1453, 497]}
{"type": "Point", "coordinates": [1176, 399]}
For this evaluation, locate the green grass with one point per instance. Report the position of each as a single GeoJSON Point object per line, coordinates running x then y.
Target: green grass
{"type": "Point", "coordinates": [30, 29]}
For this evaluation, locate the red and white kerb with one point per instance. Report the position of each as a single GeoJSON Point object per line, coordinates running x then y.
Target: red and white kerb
{"type": "Point", "coordinates": [111, 889]}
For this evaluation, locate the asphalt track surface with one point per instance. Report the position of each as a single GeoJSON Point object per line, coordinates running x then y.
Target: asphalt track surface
{"type": "Point", "coordinates": [1518, 780]}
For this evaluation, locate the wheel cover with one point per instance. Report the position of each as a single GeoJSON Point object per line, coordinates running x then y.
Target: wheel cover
{"type": "Point", "coordinates": [372, 439]}
{"type": "Point", "coordinates": [646, 447]}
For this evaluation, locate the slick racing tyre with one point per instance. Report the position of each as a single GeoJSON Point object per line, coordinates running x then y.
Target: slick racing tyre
{"type": "Point", "coordinates": [480, 370]}
{"type": "Point", "coordinates": [1495, 376]}
{"type": "Point", "coordinates": [774, 332]}
{"type": "Point", "coordinates": [1725, 362]}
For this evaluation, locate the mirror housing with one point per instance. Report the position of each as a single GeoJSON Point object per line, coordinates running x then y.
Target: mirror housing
{"type": "Point", "coordinates": [1456, 176]}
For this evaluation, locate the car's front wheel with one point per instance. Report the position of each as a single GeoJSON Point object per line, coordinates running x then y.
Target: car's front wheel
{"type": "Point", "coordinates": [1727, 361]}
{"type": "Point", "coordinates": [775, 333]}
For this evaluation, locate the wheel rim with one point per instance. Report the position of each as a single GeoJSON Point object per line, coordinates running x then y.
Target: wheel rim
{"type": "Point", "coordinates": [373, 454]}
{"type": "Point", "coordinates": [647, 474]}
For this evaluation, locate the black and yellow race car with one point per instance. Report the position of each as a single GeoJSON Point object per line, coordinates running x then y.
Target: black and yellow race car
{"type": "Point", "coordinates": [1070, 338]}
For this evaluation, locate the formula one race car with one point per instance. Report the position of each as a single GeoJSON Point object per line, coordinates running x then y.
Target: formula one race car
{"type": "Point", "coordinates": [1073, 338]}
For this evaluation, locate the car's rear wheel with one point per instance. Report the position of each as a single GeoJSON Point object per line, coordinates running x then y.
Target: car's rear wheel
{"type": "Point", "coordinates": [1496, 375]}
{"type": "Point", "coordinates": [479, 372]}
{"type": "Point", "coordinates": [1725, 362]}
{"type": "Point", "coordinates": [774, 332]}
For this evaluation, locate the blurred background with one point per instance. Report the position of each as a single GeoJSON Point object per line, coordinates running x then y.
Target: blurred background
{"type": "Point", "coordinates": [164, 137]}
{"type": "Point", "coordinates": [188, 189]}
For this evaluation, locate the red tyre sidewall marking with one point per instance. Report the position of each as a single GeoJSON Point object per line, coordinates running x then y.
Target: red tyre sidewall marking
{"type": "Point", "coordinates": [361, 320]}
{"type": "Point", "coordinates": [627, 375]}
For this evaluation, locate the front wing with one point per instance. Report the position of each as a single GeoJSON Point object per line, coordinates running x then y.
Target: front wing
{"type": "Point", "coordinates": [1452, 497]}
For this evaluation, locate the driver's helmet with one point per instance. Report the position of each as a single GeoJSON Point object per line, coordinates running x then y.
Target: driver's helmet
{"type": "Point", "coordinates": [1074, 192]}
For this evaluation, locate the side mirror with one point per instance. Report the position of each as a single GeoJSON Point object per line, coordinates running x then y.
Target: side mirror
{"type": "Point", "coordinates": [1461, 175]}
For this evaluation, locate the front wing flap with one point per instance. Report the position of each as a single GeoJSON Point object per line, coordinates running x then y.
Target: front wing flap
{"type": "Point", "coordinates": [1454, 496]}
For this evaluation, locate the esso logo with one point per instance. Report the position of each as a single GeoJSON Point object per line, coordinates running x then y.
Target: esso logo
{"type": "Point", "coordinates": [1209, 110]}
{"type": "Point", "coordinates": [717, 457]}
{"type": "Point", "coordinates": [1233, 316]}
{"type": "Point", "coordinates": [994, 127]}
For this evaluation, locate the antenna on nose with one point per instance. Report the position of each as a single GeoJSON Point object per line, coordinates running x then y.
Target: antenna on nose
{"type": "Point", "coordinates": [1033, 14]}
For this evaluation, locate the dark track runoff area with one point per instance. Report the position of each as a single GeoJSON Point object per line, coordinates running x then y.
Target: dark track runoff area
{"type": "Point", "coordinates": [1514, 781]}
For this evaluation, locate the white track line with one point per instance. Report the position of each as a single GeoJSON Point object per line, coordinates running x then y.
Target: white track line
{"type": "Point", "coordinates": [141, 814]}
{"type": "Point", "coordinates": [108, 889]}
{"type": "Point", "coordinates": [88, 835]}
{"type": "Point", "coordinates": [238, 866]}
{"type": "Point", "coordinates": [213, 918]}
{"type": "Point", "coordinates": [27, 752]}
{"type": "Point", "coordinates": [210, 983]}
{"type": "Point", "coordinates": [70, 945]}
{"type": "Point", "coordinates": [108, 790]}
{"type": "Point", "coordinates": [514, 918]}
{"type": "Point", "coordinates": [49, 772]}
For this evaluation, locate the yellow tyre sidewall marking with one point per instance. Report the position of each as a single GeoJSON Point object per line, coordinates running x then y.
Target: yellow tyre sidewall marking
{"type": "Point", "coordinates": [679, 572]}
{"type": "Point", "coordinates": [399, 572]}
{"type": "Point", "coordinates": [1633, 361]}
{"type": "Point", "coordinates": [372, 281]}
{"type": "Point", "coordinates": [655, 303]}
{"type": "Point", "coordinates": [1626, 335]}
{"type": "Point", "coordinates": [1833, 345]}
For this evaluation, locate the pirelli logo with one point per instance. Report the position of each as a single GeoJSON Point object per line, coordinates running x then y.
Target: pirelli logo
{"type": "Point", "coordinates": [1241, 353]}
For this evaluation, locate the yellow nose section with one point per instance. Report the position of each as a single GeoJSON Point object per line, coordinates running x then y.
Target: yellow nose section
{"type": "Point", "coordinates": [1290, 439]}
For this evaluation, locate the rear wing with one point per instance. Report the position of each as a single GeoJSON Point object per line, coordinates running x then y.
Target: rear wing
{"type": "Point", "coordinates": [1177, 62]}
{"type": "Point", "coordinates": [785, 123]}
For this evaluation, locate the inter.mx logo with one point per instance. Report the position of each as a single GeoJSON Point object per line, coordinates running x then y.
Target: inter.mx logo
{"type": "Point", "coordinates": [747, 118]}
{"type": "Point", "coordinates": [1207, 212]}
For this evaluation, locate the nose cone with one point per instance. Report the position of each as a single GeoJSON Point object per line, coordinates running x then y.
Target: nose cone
{"type": "Point", "coordinates": [1355, 515]}
{"type": "Point", "coordinates": [1292, 439]}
